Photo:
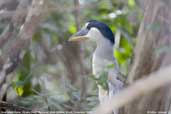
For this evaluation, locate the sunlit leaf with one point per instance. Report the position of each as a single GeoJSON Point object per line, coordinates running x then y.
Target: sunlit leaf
{"type": "Point", "coordinates": [126, 46]}
{"type": "Point", "coordinates": [19, 90]}
{"type": "Point", "coordinates": [72, 29]}
{"type": "Point", "coordinates": [131, 3]}
{"type": "Point", "coordinates": [119, 56]}
{"type": "Point", "coordinates": [23, 76]}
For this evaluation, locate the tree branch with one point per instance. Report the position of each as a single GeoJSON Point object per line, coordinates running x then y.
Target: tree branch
{"type": "Point", "coordinates": [8, 32]}
{"type": "Point", "coordinates": [10, 57]}
{"type": "Point", "coordinates": [18, 17]}
{"type": "Point", "coordinates": [26, 32]}
{"type": "Point", "coordinates": [141, 87]}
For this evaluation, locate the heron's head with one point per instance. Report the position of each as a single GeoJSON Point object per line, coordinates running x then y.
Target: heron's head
{"type": "Point", "coordinates": [95, 31]}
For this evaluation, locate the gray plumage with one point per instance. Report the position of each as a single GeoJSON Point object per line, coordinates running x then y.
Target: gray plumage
{"type": "Point", "coordinates": [101, 34]}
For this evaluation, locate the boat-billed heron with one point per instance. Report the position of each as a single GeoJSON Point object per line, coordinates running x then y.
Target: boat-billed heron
{"type": "Point", "coordinates": [102, 35]}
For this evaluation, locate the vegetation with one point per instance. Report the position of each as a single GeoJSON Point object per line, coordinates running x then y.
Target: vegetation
{"type": "Point", "coordinates": [42, 71]}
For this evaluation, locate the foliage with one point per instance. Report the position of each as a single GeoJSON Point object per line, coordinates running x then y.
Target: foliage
{"type": "Point", "coordinates": [22, 83]}
{"type": "Point", "coordinates": [43, 78]}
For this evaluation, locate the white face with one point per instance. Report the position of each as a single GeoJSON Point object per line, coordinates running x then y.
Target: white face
{"type": "Point", "coordinates": [93, 33]}
{"type": "Point", "coordinates": [85, 26]}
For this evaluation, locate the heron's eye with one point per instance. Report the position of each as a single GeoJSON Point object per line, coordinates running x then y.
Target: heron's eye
{"type": "Point", "coordinates": [88, 27]}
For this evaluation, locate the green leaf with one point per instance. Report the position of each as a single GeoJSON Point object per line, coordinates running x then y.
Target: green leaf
{"type": "Point", "coordinates": [131, 3]}
{"type": "Point", "coordinates": [110, 66]}
{"type": "Point", "coordinates": [54, 38]}
{"type": "Point", "coordinates": [27, 60]}
{"type": "Point", "coordinates": [37, 36]}
{"type": "Point", "coordinates": [102, 80]}
{"type": "Point", "coordinates": [127, 47]}
{"type": "Point", "coordinates": [105, 5]}
{"type": "Point", "coordinates": [22, 84]}
{"type": "Point", "coordinates": [37, 87]}
{"type": "Point", "coordinates": [119, 56]}
{"type": "Point", "coordinates": [19, 90]}
{"type": "Point", "coordinates": [72, 29]}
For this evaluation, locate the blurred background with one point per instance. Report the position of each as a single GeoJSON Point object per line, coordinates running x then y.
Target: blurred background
{"type": "Point", "coordinates": [55, 74]}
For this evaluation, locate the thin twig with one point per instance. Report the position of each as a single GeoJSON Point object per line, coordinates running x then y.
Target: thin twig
{"type": "Point", "coordinates": [8, 32]}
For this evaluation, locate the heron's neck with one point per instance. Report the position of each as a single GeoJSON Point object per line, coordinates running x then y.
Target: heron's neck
{"type": "Point", "coordinates": [102, 57]}
{"type": "Point", "coordinates": [104, 49]}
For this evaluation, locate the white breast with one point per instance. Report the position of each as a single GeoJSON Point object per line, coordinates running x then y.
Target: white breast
{"type": "Point", "coordinates": [101, 59]}
{"type": "Point", "coordinates": [99, 64]}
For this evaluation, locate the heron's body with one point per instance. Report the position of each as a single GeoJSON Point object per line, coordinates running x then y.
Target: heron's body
{"type": "Point", "coordinates": [101, 34]}
{"type": "Point", "coordinates": [102, 57]}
